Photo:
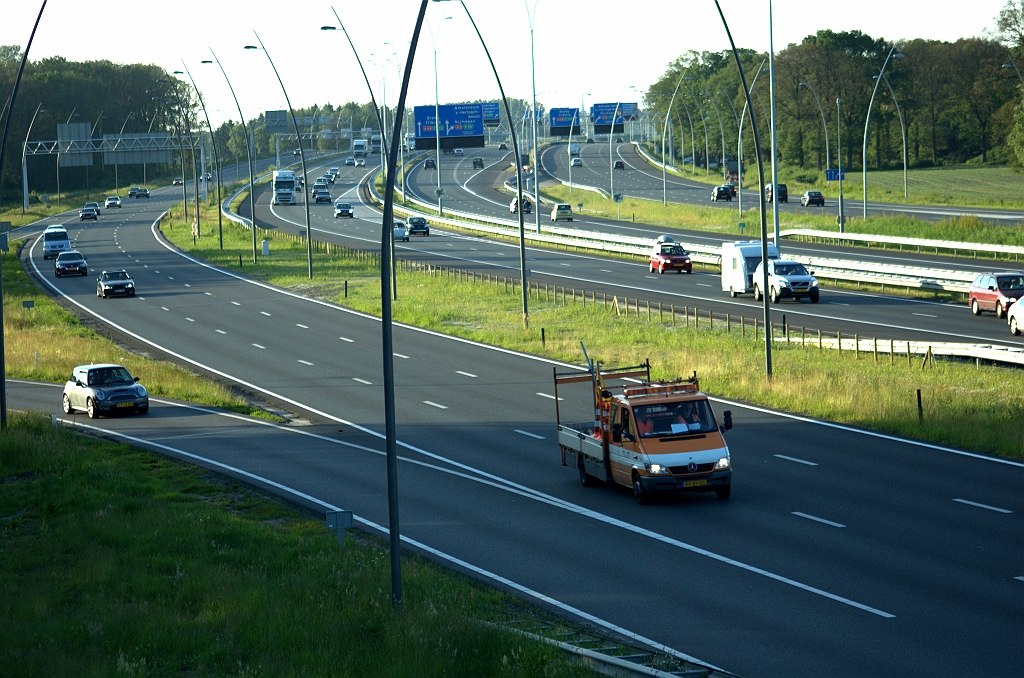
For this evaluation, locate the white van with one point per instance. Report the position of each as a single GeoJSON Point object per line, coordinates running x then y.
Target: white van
{"type": "Point", "coordinates": [739, 261]}
{"type": "Point", "coordinates": [55, 241]}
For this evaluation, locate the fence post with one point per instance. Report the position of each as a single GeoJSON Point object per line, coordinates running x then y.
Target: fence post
{"type": "Point", "coordinates": [839, 338]}
{"type": "Point", "coordinates": [910, 361]}
{"type": "Point", "coordinates": [920, 409]}
{"type": "Point", "coordinates": [673, 310]}
{"type": "Point", "coordinates": [743, 328]}
{"type": "Point", "coordinates": [856, 346]}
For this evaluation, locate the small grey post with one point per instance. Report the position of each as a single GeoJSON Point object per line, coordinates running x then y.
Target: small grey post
{"type": "Point", "coordinates": [339, 520]}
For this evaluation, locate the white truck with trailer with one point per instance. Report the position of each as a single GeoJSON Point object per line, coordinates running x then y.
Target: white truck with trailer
{"type": "Point", "coordinates": [739, 261]}
{"type": "Point", "coordinates": [284, 187]}
{"type": "Point", "coordinates": [655, 437]}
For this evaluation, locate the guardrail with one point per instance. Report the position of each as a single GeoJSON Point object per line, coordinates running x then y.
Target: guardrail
{"type": "Point", "coordinates": [954, 246]}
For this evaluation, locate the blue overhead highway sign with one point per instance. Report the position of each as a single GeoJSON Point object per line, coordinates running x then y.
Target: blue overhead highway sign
{"type": "Point", "coordinates": [491, 112]}
{"type": "Point", "coordinates": [461, 125]}
{"type": "Point", "coordinates": [562, 120]}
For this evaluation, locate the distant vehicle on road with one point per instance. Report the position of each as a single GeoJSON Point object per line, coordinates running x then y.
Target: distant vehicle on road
{"type": "Point", "coordinates": [590, 140]}
{"type": "Point", "coordinates": [786, 280]}
{"type": "Point", "coordinates": [618, 164]}
{"type": "Point", "coordinates": [112, 201]}
{"type": "Point", "coordinates": [114, 282]}
{"type": "Point", "coordinates": [668, 255]}
{"type": "Point", "coordinates": [350, 162]}
{"type": "Point", "coordinates": [70, 262]}
{"type": "Point", "coordinates": [104, 389]}
{"type": "Point", "coordinates": [576, 162]}
{"type": "Point", "coordinates": [178, 181]}
{"type": "Point", "coordinates": [359, 148]}
{"type": "Point", "coordinates": [343, 209]}
{"type": "Point", "coordinates": [561, 212]}
{"type": "Point", "coordinates": [812, 198]}
{"type": "Point", "coordinates": [360, 162]}
{"type": "Point", "coordinates": [56, 241]}
{"type": "Point", "coordinates": [143, 193]}
{"type": "Point", "coordinates": [721, 193]}
{"type": "Point", "coordinates": [513, 206]}
{"type": "Point", "coordinates": [335, 171]}
{"type": "Point", "coordinates": [503, 146]}
{"type": "Point", "coordinates": [322, 196]}
{"type": "Point", "coordinates": [478, 163]}
{"type": "Point", "coordinates": [133, 191]}
{"type": "Point", "coordinates": [88, 213]}
{"type": "Point", "coordinates": [401, 231]}
{"type": "Point", "coordinates": [284, 187]}
{"type": "Point", "coordinates": [418, 226]}
{"type": "Point", "coordinates": [94, 205]}
{"type": "Point", "coordinates": [618, 140]}
{"type": "Point", "coordinates": [574, 148]}
{"type": "Point", "coordinates": [996, 292]}
{"type": "Point", "coordinates": [783, 193]}
{"type": "Point", "coordinates": [739, 260]}
{"type": "Point", "coordinates": [429, 163]}
{"type": "Point", "coordinates": [458, 151]}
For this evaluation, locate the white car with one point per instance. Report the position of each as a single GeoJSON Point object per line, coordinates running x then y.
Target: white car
{"type": "Point", "coordinates": [401, 231]}
{"type": "Point", "coordinates": [458, 151]}
{"type": "Point", "coordinates": [112, 201]}
{"type": "Point", "coordinates": [1015, 317]}
{"type": "Point", "coordinates": [576, 162]}
{"type": "Point", "coordinates": [786, 279]}
{"type": "Point", "coordinates": [560, 212]}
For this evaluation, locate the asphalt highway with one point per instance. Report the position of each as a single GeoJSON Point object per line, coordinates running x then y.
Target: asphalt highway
{"type": "Point", "coordinates": [840, 552]}
{"type": "Point", "coordinates": [868, 314]}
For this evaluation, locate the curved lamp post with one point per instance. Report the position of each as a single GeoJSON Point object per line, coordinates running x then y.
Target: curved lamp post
{"type": "Point", "coordinates": [116, 144]}
{"type": "Point", "coordinates": [664, 133]}
{"type": "Point", "coordinates": [248, 151]}
{"type": "Point", "coordinates": [764, 221]}
{"type": "Point", "coordinates": [722, 128]}
{"type": "Point", "coordinates": [611, 158]}
{"type": "Point", "coordinates": [533, 114]}
{"type": "Point", "coordinates": [181, 148]}
{"type": "Point", "coordinates": [867, 120]}
{"type": "Point", "coordinates": [903, 131]}
{"type": "Point", "coordinates": [24, 151]}
{"type": "Point", "coordinates": [824, 123]}
{"type": "Point", "coordinates": [216, 157]}
{"type": "Point", "coordinates": [192, 149]}
{"type": "Point", "coordinates": [693, 140]}
{"type": "Point", "coordinates": [704, 121]}
{"type": "Point", "coordinates": [739, 138]}
{"type": "Point", "coordinates": [1013, 65]}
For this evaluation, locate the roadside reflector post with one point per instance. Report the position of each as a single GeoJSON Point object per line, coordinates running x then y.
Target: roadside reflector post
{"type": "Point", "coordinates": [543, 341]}
{"type": "Point", "coordinates": [339, 520]}
{"type": "Point", "coordinates": [920, 409]}
{"type": "Point", "coordinates": [856, 346]}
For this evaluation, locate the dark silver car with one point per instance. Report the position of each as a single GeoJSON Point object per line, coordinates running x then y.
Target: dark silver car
{"type": "Point", "coordinates": [343, 209]}
{"type": "Point", "coordinates": [114, 282]}
{"type": "Point", "coordinates": [104, 389]}
{"type": "Point", "coordinates": [418, 226]}
{"type": "Point", "coordinates": [70, 263]}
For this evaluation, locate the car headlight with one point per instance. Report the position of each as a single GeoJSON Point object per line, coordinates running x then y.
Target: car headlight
{"type": "Point", "coordinates": [783, 283]}
{"type": "Point", "coordinates": [658, 469]}
{"type": "Point", "coordinates": [106, 287]}
{"type": "Point", "coordinates": [101, 395]}
{"type": "Point", "coordinates": [722, 463]}
{"type": "Point", "coordinates": [814, 282]}
{"type": "Point", "coordinates": [131, 284]}
{"type": "Point", "coordinates": [141, 390]}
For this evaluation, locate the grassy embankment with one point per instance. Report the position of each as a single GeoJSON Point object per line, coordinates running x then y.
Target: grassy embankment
{"type": "Point", "coordinates": [62, 342]}
{"type": "Point", "coordinates": [119, 561]}
{"type": "Point", "coordinates": [70, 200]}
{"type": "Point", "coordinates": [964, 405]}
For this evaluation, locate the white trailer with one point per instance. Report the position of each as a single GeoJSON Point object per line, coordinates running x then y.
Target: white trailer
{"type": "Point", "coordinates": [739, 261]}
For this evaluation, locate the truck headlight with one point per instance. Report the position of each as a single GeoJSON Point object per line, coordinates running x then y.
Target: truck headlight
{"type": "Point", "coordinates": [658, 469]}
{"type": "Point", "coordinates": [723, 463]}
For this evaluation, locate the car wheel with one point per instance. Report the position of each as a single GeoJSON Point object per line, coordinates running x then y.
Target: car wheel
{"type": "Point", "coordinates": [1014, 327]}
{"type": "Point", "coordinates": [641, 495]}
{"type": "Point", "coordinates": [814, 298]}
{"type": "Point", "coordinates": [774, 295]}
{"type": "Point", "coordinates": [724, 492]}
{"type": "Point", "coordinates": [90, 408]}
{"type": "Point", "coordinates": [1000, 311]}
{"type": "Point", "coordinates": [144, 410]}
{"type": "Point", "coordinates": [67, 405]}
{"type": "Point", "coordinates": [131, 294]}
{"type": "Point", "coordinates": [975, 309]}
{"type": "Point", "coordinates": [85, 271]}
{"type": "Point", "coordinates": [732, 292]}
{"type": "Point", "coordinates": [586, 480]}
{"type": "Point", "coordinates": [651, 267]}
{"type": "Point", "coordinates": [57, 273]}
{"type": "Point", "coordinates": [661, 270]}
{"type": "Point", "coordinates": [427, 234]}
{"type": "Point", "coordinates": [757, 293]}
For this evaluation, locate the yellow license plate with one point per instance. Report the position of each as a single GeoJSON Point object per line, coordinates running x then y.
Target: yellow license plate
{"type": "Point", "coordinates": [126, 404]}
{"type": "Point", "coordinates": [694, 483]}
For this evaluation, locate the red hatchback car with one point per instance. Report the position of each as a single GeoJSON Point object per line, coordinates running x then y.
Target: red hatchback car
{"type": "Point", "coordinates": [669, 256]}
{"type": "Point", "coordinates": [996, 292]}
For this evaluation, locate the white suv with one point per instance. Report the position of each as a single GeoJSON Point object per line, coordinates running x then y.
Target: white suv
{"type": "Point", "coordinates": [786, 279]}
{"type": "Point", "coordinates": [561, 211]}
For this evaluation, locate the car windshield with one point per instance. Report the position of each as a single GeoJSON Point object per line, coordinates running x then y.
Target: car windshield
{"type": "Point", "coordinates": [343, 206]}
{"type": "Point", "coordinates": [69, 257]}
{"type": "Point", "coordinates": [114, 275]}
{"type": "Point", "coordinates": [790, 269]}
{"type": "Point", "coordinates": [813, 194]}
{"type": "Point", "coordinates": [55, 235]}
{"type": "Point", "coordinates": [1008, 283]}
{"type": "Point", "coordinates": [688, 416]}
{"type": "Point", "coordinates": [109, 376]}
{"type": "Point", "coordinates": [418, 221]}
{"type": "Point", "coordinates": [112, 199]}
{"type": "Point", "coordinates": [672, 249]}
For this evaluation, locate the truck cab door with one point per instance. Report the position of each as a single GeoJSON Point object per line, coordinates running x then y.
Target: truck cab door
{"type": "Point", "coordinates": [625, 454]}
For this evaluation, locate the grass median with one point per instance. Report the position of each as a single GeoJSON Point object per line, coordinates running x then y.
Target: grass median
{"type": "Point", "coordinates": [975, 407]}
{"type": "Point", "coordinates": [45, 342]}
{"type": "Point", "coordinates": [119, 561]}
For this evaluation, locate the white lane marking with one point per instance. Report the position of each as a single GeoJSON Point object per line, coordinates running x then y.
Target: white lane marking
{"type": "Point", "coordinates": [799, 461]}
{"type": "Point", "coordinates": [925, 315]}
{"type": "Point", "coordinates": [208, 294]}
{"type": "Point", "coordinates": [1019, 578]}
{"type": "Point", "coordinates": [264, 313]}
{"type": "Point", "coordinates": [465, 374]}
{"type": "Point", "coordinates": [170, 278]}
{"type": "Point", "coordinates": [187, 285]}
{"type": "Point", "coordinates": [563, 264]}
{"type": "Point", "coordinates": [351, 341]}
{"type": "Point", "coordinates": [220, 331]}
{"type": "Point", "coordinates": [703, 285]}
{"type": "Point", "coordinates": [838, 303]}
{"type": "Point", "coordinates": [145, 266]}
{"type": "Point", "coordinates": [984, 506]}
{"type": "Point", "coordinates": [652, 277]}
{"type": "Point", "coordinates": [155, 271]}
{"type": "Point", "coordinates": [235, 303]}
{"type": "Point", "coordinates": [529, 435]}
{"type": "Point", "coordinates": [362, 381]}
{"type": "Point", "coordinates": [165, 308]}
{"type": "Point", "coordinates": [604, 270]}
{"type": "Point", "coordinates": [258, 346]}
{"type": "Point", "coordinates": [432, 404]}
{"type": "Point", "coordinates": [305, 362]}
{"type": "Point", "coordinates": [816, 519]}
{"type": "Point", "coordinates": [551, 397]}
{"type": "Point", "coordinates": [383, 530]}
{"type": "Point", "coordinates": [305, 327]}
{"type": "Point", "coordinates": [399, 355]}
{"type": "Point", "coordinates": [190, 320]}
{"type": "Point", "coordinates": [142, 298]}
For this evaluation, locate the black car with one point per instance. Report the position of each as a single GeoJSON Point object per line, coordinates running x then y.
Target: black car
{"type": "Point", "coordinates": [589, 140]}
{"type": "Point", "coordinates": [618, 140]}
{"type": "Point", "coordinates": [503, 146]}
{"type": "Point", "coordinates": [721, 193]}
{"type": "Point", "coordinates": [70, 262]}
{"type": "Point", "coordinates": [142, 193]}
{"type": "Point", "coordinates": [619, 165]}
{"type": "Point", "coordinates": [323, 196]}
{"type": "Point", "coordinates": [812, 198]}
{"type": "Point", "coordinates": [478, 163]}
{"type": "Point", "coordinates": [783, 193]}
{"type": "Point", "coordinates": [133, 191]}
{"type": "Point", "coordinates": [429, 164]}
{"type": "Point", "coordinates": [114, 282]}
{"type": "Point", "coordinates": [418, 226]}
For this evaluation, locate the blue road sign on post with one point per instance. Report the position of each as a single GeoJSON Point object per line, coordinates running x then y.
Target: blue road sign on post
{"type": "Point", "coordinates": [461, 125]}
{"type": "Point", "coordinates": [562, 120]}
{"type": "Point", "coordinates": [834, 174]}
{"type": "Point", "coordinates": [491, 112]}
{"type": "Point", "coordinates": [601, 114]}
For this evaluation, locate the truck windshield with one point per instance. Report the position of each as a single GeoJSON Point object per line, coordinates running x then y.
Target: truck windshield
{"type": "Point", "coordinates": [665, 419]}
{"type": "Point", "coordinates": [281, 185]}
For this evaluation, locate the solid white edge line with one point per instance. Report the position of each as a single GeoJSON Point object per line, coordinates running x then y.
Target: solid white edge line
{"type": "Point", "coordinates": [412, 542]}
{"type": "Point", "coordinates": [528, 434]}
{"type": "Point", "coordinates": [362, 381]}
{"type": "Point", "coordinates": [799, 461]}
{"type": "Point", "coordinates": [984, 506]}
{"type": "Point", "coordinates": [465, 374]}
{"type": "Point", "coordinates": [817, 519]}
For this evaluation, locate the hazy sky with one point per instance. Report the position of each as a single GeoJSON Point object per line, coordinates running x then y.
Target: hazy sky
{"type": "Point", "coordinates": [583, 47]}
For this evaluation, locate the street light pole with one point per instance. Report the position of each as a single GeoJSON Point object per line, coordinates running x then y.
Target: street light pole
{"type": "Point", "coordinates": [302, 159]}
{"type": "Point", "coordinates": [611, 157]}
{"type": "Point", "coordinates": [775, 149]}
{"type": "Point", "coordinates": [903, 131]}
{"type": "Point", "coordinates": [24, 163]}
{"type": "Point", "coordinates": [839, 163]}
{"type": "Point", "coordinates": [739, 139]}
{"type": "Point", "coordinates": [867, 120]}
{"type": "Point", "coordinates": [664, 133]}
{"type": "Point", "coordinates": [1013, 64]}
{"type": "Point", "coordinates": [824, 124]}
{"type": "Point", "coordinates": [192, 149]}
{"type": "Point", "coordinates": [704, 121]}
{"type": "Point", "coordinates": [533, 115]}
{"type": "Point", "coordinates": [216, 157]}
{"type": "Point", "coordinates": [248, 153]}
{"type": "Point", "coordinates": [116, 144]}
{"type": "Point", "coordinates": [722, 128]}
{"type": "Point", "coordinates": [693, 139]}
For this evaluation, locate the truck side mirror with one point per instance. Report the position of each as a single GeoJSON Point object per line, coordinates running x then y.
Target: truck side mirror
{"type": "Point", "coordinates": [606, 394]}
{"type": "Point", "coordinates": [616, 433]}
{"type": "Point", "coordinates": [728, 420]}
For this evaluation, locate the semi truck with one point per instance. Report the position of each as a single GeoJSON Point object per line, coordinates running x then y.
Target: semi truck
{"type": "Point", "coordinates": [359, 148]}
{"type": "Point", "coordinates": [654, 437]}
{"type": "Point", "coordinates": [284, 187]}
{"type": "Point", "coordinates": [375, 143]}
